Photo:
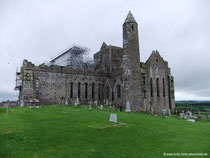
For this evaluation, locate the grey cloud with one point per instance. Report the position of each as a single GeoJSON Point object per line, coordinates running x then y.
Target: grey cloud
{"type": "Point", "coordinates": [38, 30]}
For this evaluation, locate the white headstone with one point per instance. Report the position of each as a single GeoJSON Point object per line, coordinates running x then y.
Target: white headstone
{"type": "Point", "coordinates": [128, 107]}
{"type": "Point", "coordinates": [101, 107]}
{"type": "Point", "coordinates": [76, 102]}
{"type": "Point", "coordinates": [191, 120]}
{"type": "Point", "coordinates": [107, 102]}
{"type": "Point", "coordinates": [113, 118]}
{"type": "Point", "coordinates": [181, 115]}
{"type": "Point", "coordinates": [21, 103]}
{"type": "Point", "coordinates": [66, 103]}
{"type": "Point", "coordinates": [90, 108]}
{"type": "Point", "coordinates": [96, 103]}
{"type": "Point", "coordinates": [169, 112]}
{"type": "Point", "coordinates": [164, 112]}
{"type": "Point", "coordinates": [190, 114]}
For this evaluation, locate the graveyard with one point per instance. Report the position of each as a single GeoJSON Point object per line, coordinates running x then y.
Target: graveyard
{"type": "Point", "coordinates": [68, 131]}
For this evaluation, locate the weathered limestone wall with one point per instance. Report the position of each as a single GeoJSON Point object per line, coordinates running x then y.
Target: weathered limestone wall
{"type": "Point", "coordinates": [131, 64]}
{"type": "Point", "coordinates": [157, 82]}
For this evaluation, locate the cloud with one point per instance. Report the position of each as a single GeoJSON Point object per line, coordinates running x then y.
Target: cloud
{"type": "Point", "coordinates": [38, 30]}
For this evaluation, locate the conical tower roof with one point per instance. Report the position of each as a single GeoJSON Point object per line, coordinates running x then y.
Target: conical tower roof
{"type": "Point", "coordinates": [130, 18]}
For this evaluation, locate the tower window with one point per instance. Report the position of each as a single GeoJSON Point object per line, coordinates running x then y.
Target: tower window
{"type": "Point", "coordinates": [132, 27]}
{"type": "Point", "coordinates": [71, 90]}
{"type": "Point", "coordinates": [157, 86]}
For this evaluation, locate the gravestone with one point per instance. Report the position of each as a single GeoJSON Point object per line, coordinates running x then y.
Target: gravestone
{"type": "Point", "coordinates": [101, 107]}
{"type": "Point", "coordinates": [113, 118]}
{"type": "Point", "coordinates": [21, 103]}
{"type": "Point", "coordinates": [106, 102]}
{"type": "Point", "coordinates": [76, 102]}
{"type": "Point", "coordinates": [96, 103]}
{"type": "Point", "coordinates": [190, 115]}
{"type": "Point", "coordinates": [169, 112]}
{"type": "Point", "coordinates": [164, 113]}
{"type": "Point", "coordinates": [181, 115]}
{"type": "Point", "coordinates": [66, 103]}
{"type": "Point", "coordinates": [199, 117]}
{"type": "Point", "coordinates": [90, 107]}
{"type": "Point", "coordinates": [208, 116]}
{"type": "Point", "coordinates": [191, 120]}
{"type": "Point", "coordinates": [128, 107]}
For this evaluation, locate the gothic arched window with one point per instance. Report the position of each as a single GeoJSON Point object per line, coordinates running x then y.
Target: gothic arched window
{"type": "Point", "coordinates": [86, 90]}
{"type": "Point", "coordinates": [118, 91]}
{"type": "Point", "coordinates": [151, 88]}
{"type": "Point", "coordinates": [164, 92]}
{"type": "Point", "coordinates": [99, 91]}
{"type": "Point", "coordinates": [93, 88]}
{"type": "Point", "coordinates": [157, 86]}
{"type": "Point", "coordinates": [71, 90]}
{"type": "Point", "coordinates": [79, 89]}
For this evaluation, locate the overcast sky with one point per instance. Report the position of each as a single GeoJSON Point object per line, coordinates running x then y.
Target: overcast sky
{"type": "Point", "coordinates": [38, 30]}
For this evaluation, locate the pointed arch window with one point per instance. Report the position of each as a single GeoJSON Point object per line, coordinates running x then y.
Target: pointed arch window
{"type": "Point", "coordinates": [71, 90]}
{"type": "Point", "coordinates": [151, 88]}
{"type": "Point", "coordinates": [79, 85]}
{"type": "Point", "coordinates": [93, 90]}
{"type": "Point", "coordinates": [86, 90]}
{"type": "Point", "coordinates": [164, 91]}
{"type": "Point", "coordinates": [107, 92]}
{"type": "Point", "coordinates": [118, 91]}
{"type": "Point", "coordinates": [99, 91]}
{"type": "Point", "coordinates": [157, 86]}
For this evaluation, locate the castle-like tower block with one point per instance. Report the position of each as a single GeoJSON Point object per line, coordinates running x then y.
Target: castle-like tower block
{"type": "Point", "coordinates": [131, 63]}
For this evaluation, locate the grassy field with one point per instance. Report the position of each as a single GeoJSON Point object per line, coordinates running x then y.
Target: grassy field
{"type": "Point", "coordinates": [58, 132]}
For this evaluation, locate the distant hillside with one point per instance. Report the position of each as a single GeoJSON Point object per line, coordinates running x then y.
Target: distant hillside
{"type": "Point", "coordinates": [192, 103]}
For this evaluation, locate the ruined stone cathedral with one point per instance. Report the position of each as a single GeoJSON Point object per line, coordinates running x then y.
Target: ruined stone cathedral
{"type": "Point", "coordinates": [115, 76]}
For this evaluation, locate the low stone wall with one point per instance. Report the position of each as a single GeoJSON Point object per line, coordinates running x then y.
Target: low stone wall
{"type": "Point", "coordinates": [11, 104]}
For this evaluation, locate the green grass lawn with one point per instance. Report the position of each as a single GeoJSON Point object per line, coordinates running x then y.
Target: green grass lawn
{"type": "Point", "coordinates": [57, 132]}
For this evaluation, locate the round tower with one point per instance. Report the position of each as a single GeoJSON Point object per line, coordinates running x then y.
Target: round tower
{"type": "Point", "coordinates": [131, 63]}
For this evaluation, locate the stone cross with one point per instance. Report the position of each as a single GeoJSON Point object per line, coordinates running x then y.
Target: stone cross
{"type": "Point", "coordinates": [128, 107]}
{"type": "Point", "coordinates": [113, 118]}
